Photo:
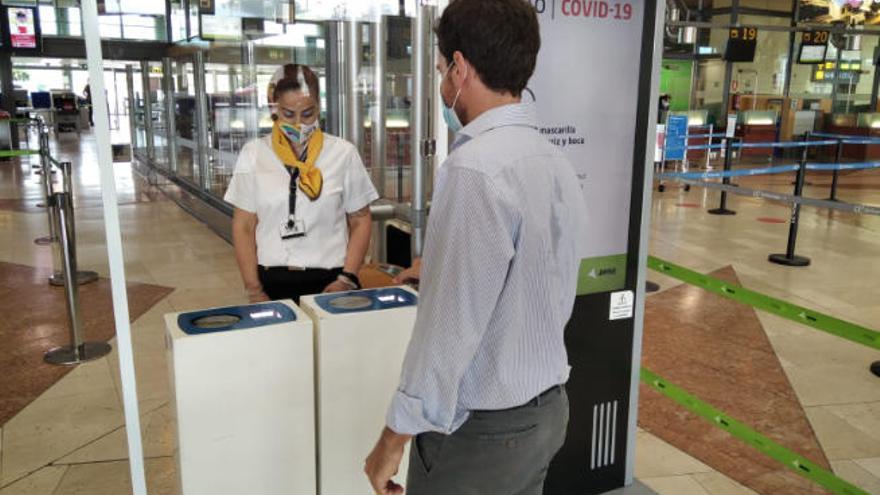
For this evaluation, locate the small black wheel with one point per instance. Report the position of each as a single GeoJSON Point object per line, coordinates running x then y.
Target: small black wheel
{"type": "Point", "coordinates": [661, 187]}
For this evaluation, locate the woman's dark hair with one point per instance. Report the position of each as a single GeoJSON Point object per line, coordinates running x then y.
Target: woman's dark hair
{"type": "Point", "coordinates": [500, 38]}
{"type": "Point", "coordinates": [296, 78]}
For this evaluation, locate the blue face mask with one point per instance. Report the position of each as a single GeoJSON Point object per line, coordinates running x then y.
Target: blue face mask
{"type": "Point", "coordinates": [449, 114]}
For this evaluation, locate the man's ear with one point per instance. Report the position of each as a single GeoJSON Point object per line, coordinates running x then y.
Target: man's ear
{"type": "Point", "coordinates": [462, 66]}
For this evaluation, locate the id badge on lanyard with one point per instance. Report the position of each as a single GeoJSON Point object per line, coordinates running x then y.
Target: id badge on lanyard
{"type": "Point", "coordinates": [294, 227]}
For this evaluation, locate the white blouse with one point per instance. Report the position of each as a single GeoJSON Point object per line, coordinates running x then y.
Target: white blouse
{"type": "Point", "coordinates": [260, 184]}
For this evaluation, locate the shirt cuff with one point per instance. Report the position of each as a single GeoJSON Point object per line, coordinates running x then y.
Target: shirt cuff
{"type": "Point", "coordinates": [406, 416]}
{"type": "Point", "coordinates": [361, 202]}
{"type": "Point", "coordinates": [235, 201]}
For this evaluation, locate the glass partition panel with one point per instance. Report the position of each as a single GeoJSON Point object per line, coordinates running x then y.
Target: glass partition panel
{"type": "Point", "coordinates": [243, 44]}
{"type": "Point", "coordinates": [178, 21]}
{"type": "Point", "coordinates": [59, 21]}
{"type": "Point", "coordinates": [228, 115]}
{"type": "Point", "coordinates": [160, 119]}
{"type": "Point", "coordinates": [185, 117]}
{"type": "Point", "coordinates": [139, 136]}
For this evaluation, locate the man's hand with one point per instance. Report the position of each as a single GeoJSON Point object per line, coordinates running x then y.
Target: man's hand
{"type": "Point", "coordinates": [383, 462]}
{"type": "Point", "coordinates": [411, 273]}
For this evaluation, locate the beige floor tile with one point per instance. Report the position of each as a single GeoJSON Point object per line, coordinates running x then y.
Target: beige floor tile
{"type": "Point", "coordinates": [52, 427]}
{"type": "Point", "coordinates": [847, 431]}
{"type": "Point", "coordinates": [872, 465]}
{"type": "Point", "coordinates": [675, 485]}
{"type": "Point", "coordinates": [857, 475]}
{"type": "Point", "coordinates": [42, 482]}
{"type": "Point", "coordinates": [85, 378]}
{"type": "Point", "coordinates": [196, 299]}
{"type": "Point", "coordinates": [151, 372]}
{"type": "Point", "coordinates": [113, 478]}
{"type": "Point", "coordinates": [158, 441]}
{"type": "Point", "coordinates": [823, 368]}
{"type": "Point", "coordinates": [656, 458]}
{"type": "Point", "coordinates": [718, 484]}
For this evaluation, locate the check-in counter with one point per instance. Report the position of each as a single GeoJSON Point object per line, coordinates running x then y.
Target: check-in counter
{"type": "Point", "coordinates": [757, 126]}
{"type": "Point", "coordinates": [862, 125]}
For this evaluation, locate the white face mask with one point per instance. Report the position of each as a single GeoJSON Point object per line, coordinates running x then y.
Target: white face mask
{"type": "Point", "coordinates": [449, 114]}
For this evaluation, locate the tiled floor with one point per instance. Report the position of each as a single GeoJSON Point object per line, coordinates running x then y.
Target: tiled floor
{"type": "Point", "coordinates": [37, 319]}
{"type": "Point", "coordinates": [71, 439]}
{"type": "Point", "coordinates": [716, 349]}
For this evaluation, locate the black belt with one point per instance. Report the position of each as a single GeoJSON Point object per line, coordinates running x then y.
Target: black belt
{"type": "Point", "coordinates": [535, 402]}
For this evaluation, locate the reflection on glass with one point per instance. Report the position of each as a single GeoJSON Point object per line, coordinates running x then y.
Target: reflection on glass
{"type": "Point", "coordinates": [240, 56]}
{"type": "Point", "coordinates": [160, 120]}
{"type": "Point", "coordinates": [185, 120]}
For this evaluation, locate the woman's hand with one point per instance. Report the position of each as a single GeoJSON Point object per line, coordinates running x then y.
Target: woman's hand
{"type": "Point", "coordinates": [256, 295]}
{"type": "Point", "coordinates": [337, 286]}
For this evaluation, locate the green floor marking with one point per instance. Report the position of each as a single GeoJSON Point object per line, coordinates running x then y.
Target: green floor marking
{"type": "Point", "coordinates": [793, 312]}
{"type": "Point", "coordinates": [15, 153]}
{"type": "Point", "coordinates": [793, 461]}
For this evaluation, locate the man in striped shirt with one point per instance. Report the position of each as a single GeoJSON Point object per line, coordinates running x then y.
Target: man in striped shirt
{"type": "Point", "coordinates": [481, 390]}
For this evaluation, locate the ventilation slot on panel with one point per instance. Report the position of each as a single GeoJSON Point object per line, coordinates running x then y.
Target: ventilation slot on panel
{"type": "Point", "coordinates": [604, 439]}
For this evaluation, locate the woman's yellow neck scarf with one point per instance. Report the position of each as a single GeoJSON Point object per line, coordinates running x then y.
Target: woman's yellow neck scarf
{"type": "Point", "coordinates": [310, 179]}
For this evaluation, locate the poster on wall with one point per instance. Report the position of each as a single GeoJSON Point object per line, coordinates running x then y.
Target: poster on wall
{"type": "Point", "coordinates": [23, 31]}
{"type": "Point", "coordinates": [590, 116]}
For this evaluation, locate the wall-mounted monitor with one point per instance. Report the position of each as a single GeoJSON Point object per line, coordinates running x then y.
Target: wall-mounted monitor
{"type": "Point", "coordinates": [812, 54]}
{"type": "Point", "coordinates": [21, 26]}
{"type": "Point", "coordinates": [741, 44]}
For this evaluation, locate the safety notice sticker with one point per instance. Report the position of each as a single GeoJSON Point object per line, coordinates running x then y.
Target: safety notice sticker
{"type": "Point", "coordinates": [621, 305]}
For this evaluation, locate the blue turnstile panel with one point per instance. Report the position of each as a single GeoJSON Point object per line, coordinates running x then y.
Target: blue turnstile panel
{"type": "Point", "coordinates": [366, 300]}
{"type": "Point", "coordinates": [235, 318]}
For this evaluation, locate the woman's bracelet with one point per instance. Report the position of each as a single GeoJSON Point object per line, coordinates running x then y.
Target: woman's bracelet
{"type": "Point", "coordinates": [349, 279]}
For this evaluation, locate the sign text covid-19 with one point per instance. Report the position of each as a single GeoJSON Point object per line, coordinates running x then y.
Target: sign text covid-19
{"type": "Point", "coordinates": [591, 9]}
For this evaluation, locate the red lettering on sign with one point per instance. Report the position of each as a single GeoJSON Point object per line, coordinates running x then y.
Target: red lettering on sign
{"type": "Point", "coordinates": [597, 9]}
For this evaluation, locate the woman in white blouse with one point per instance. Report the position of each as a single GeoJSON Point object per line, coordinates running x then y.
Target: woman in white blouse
{"type": "Point", "coordinates": [302, 221]}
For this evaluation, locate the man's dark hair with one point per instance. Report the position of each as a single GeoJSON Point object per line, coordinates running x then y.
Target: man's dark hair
{"type": "Point", "coordinates": [500, 38]}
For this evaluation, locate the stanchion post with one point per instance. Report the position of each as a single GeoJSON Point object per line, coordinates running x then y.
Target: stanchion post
{"type": "Point", "coordinates": [836, 173]}
{"type": "Point", "coordinates": [722, 208]}
{"type": "Point", "coordinates": [789, 258]}
{"type": "Point", "coordinates": [46, 183]}
{"type": "Point", "coordinates": [82, 277]}
{"type": "Point", "coordinates": [78, 351]}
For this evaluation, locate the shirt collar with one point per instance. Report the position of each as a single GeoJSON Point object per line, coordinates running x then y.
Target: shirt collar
{"type": "Point", "coordinates": [514, 114]}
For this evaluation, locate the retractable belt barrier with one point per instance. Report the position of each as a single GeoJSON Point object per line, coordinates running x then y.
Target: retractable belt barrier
{"type": "Point", "coordinates": [734, 173]}
{"type": "Point", "coordinates": [703, 136]}
{"type": "Point", "coordinates": [17, 153]}
{"type": "Point", "coordinates": [843, 166]}
{"type": "Point", "coordinates": [788, 144]}
{"type": "Point", "coordinates": [791, 144]}
{"type": "Point", "coordinates": [788, 198]}
{"type": "Point", "coordinates": [741, 431]}
{"type": "Point", "coordinates": [706, 146]}
{"type": "Point", "coordinates": [819, 321]}
{"type": "Point", "coordinates": [847, 139]}
{"type": "Point", "coordinates": [814, 319]}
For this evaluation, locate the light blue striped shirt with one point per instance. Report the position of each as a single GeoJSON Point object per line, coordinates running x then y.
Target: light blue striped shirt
{"type": "Point", "coordinates": [498, 279]}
